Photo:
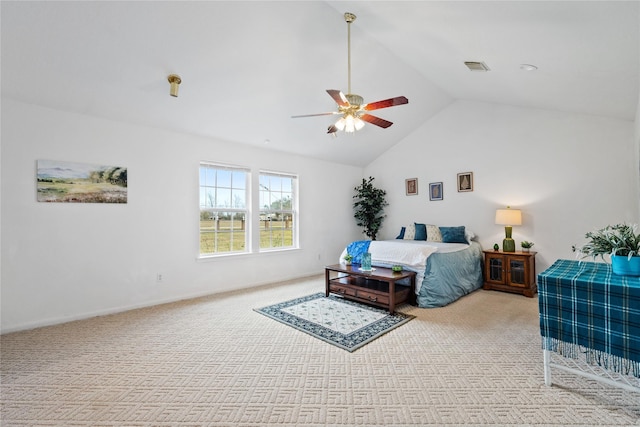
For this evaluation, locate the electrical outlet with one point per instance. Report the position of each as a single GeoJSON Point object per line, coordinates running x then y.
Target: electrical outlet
{"type": "Point", "coordinates": [159, 277]}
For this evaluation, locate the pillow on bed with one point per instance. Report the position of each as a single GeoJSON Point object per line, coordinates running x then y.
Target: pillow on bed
{"type": "Point", "coordinates": [469, 235]}
{"type": "Point", "coordinates": [421, 231]}
{"type": "Point", "coordinates": [401, 235]}
{"type": "Point", "coordinates": [453, 234]}
{"type": "Point", "coordinates": [410, 232]}
{"type": "Point", "coordinates": [433, 233]}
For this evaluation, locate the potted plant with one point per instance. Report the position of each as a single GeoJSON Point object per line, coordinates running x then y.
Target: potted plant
{"type": "Point", "coordinates": [370, 201]}
{"type": "Point", "coordinates": [526, 246]}
{"type": "Point", "coordinates": [620, 242]}
{"type": "Point", "coordinates": [348, 259]}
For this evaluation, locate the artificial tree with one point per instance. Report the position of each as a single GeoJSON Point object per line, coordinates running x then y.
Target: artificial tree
{"type": "Point", "coordinates": [368, 207]}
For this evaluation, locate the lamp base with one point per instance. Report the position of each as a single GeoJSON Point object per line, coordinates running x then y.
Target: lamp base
{"type": "Point", "coordinates": [508, 245]}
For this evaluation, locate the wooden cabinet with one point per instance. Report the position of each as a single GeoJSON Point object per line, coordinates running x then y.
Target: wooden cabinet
{"type": "Point", "coordinates": [510, 272]}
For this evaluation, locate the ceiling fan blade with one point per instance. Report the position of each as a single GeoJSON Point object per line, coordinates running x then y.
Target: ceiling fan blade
{"type": "Point", "coordinates": [391, 102]}
{"type": "Point", "coordinates": [376, 121]}
{"type": "Point", "coordinates": [332, 129]}
{"type": "Point", "coordinates": [314, 115]}
{"type": "Point", "coordinates": [339, 97]}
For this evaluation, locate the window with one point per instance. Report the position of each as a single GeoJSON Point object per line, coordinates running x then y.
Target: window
{"type": "Point", "coordinates": [223, 209]}
{"type": "Point", "coordinates": [278, 216]}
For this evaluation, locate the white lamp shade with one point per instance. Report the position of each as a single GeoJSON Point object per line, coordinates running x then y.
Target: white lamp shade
{"type": "Point", "coordinates": [508, 217]}
{"type": "Point", "coordinates": [349, 123]}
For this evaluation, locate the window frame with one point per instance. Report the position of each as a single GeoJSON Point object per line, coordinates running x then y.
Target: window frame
{"type": "Point", "coordinates": [293, 210]}
{"type": "Point", "coordinates": [246, 211]}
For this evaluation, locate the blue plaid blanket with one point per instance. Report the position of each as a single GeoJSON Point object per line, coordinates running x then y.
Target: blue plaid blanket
{"type": "Point", "coordinates": [585, 309]}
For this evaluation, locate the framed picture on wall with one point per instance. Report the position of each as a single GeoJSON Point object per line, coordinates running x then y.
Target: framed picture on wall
{"type": "Point", "coordinates": [465, 181]}
{"type": "Point", "coordinates": [69, 182]}
{"type": "Point", "coordinates": [435, 191]}
{"type": "Point", "coordinates": [412, 186]}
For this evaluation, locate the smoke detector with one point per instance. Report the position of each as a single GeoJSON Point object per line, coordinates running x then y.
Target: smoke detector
{"type": "Point", "coordinates": [528, 67]}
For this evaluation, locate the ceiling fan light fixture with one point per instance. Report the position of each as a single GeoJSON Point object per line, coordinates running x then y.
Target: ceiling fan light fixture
{"type": "Point", "coordinates": [358, 123]}
{"type": "Point", "coordinates": [349, 123]}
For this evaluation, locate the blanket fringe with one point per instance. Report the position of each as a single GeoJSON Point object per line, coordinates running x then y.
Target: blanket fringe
{"type": "Point", "coordinates": [607, 361]}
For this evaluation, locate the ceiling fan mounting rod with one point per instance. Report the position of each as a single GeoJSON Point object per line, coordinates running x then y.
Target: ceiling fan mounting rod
{"type": "Point", "coordinates": [349, 17]}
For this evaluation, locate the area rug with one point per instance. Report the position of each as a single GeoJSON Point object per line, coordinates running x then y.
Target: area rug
{"type": "Point", "coordinates": [345, 324]}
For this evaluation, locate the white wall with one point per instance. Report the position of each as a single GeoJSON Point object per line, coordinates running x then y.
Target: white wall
{"type": "Point", "coordinates": [637, 123]}
{"type": "Point", "coordinates": [637, 137]}
{"type": "Point", "coordinates": [68, 261]}
{"type": "Point", "coordinates": [568, 173]}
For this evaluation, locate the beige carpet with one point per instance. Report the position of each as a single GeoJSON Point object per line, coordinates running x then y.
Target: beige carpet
{"type": "Point", "coordinates": [215, 362]}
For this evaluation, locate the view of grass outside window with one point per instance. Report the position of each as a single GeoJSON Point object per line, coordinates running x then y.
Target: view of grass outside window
{"type": "Point", "coordinates": [277, 210]}
{"type": "Point", "coordinates": [223, 209]}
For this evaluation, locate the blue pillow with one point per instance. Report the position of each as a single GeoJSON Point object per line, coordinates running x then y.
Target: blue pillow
{"type": "Point", "coordinates": [401, 235]}
{"type": "Point", "coordinates": [421, 231]}
{"type": "Point", "coordinates": [453, 234]}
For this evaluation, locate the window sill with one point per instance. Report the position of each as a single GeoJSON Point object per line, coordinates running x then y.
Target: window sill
{"type": "Point", "coordinates": [274, 251]}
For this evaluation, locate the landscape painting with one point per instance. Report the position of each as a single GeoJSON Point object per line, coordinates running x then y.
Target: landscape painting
{"type": "Point", "coordinates": [66, 182]}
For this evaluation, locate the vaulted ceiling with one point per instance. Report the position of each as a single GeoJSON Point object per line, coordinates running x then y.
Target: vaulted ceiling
{"type": "Point", "coordinates": [247, 67]}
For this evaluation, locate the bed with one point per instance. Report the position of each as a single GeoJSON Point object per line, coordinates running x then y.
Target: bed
{"type": "Point", "coordinates": [445, 271]}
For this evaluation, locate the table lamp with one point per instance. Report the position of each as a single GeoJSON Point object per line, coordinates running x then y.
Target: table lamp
{"type": "Point", "coordinates": [508, 217]}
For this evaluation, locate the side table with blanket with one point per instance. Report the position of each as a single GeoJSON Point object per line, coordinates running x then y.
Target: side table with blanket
{"type": "Point", "coordinates": [589, 313]}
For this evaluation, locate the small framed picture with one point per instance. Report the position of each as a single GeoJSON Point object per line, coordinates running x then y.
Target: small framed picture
{"type": "Point", "coordinates": [412, 186]}
{"type": "Point", "coordinates": [435, 191]}
{"type": "Point", "coordinates": [465, 181]}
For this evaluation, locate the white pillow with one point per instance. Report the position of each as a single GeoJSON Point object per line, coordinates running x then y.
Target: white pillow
{"type": "Point", "coordinates": [469, 235]}
{"type": "Point", "coordinates": [433, 233]}
{"type": "Point", "coordinates": [410, 232]}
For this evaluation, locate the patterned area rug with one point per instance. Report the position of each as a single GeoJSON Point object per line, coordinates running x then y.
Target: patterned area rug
{"type": "Point", "coordinates": [340, 322]}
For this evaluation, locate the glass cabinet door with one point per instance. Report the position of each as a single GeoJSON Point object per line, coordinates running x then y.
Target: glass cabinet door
{"type": "Point", "coordinates": [517, 272]}
{"type": "Point", "coordinates": [496, 267]}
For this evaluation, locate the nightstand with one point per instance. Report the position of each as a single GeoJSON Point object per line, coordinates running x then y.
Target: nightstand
{"type": "Point", "coordinates": [510, 272]}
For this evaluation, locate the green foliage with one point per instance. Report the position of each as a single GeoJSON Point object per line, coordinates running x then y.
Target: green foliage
{"type": "Point", "coordinates": [368, 207]}
{"type": "Point", "coordinates": [282, 204]}
{"type": "Point", "coordinates": [526, 244]}
{"type": "Point", "coordinates": [620, 239]}
{"type": "Point", "coordinates": [114, 175]}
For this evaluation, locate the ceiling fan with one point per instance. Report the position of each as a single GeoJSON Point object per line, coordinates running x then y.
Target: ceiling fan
{"type": "Point", "coordinates": [351, 106]}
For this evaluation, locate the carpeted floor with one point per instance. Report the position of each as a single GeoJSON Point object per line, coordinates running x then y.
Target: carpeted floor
{"type": "Point", "coordinates": [215, 362]}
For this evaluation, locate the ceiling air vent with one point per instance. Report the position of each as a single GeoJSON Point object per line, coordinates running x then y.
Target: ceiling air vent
{"type": "Point", "coordinates": [476, 66]}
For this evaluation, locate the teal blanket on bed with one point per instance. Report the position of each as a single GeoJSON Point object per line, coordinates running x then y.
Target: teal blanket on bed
{"type": "Point", "coordinates": [449, 276]}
